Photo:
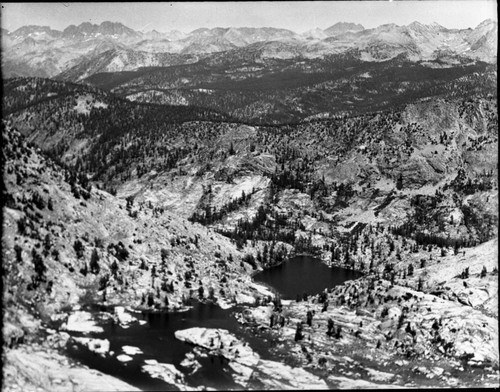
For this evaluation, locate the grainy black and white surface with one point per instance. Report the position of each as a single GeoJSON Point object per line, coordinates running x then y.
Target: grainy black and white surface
{"type": "Point", "coordinates": [258, 195]}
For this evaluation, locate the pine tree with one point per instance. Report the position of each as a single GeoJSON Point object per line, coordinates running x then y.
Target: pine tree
{"type": "Point", "coordinates": [309, 318]}
{"type": "Point", "coordinates": [420, 284]}
{"type": "Point", "coordinates": [40, 267]}
{"type": "Point", "coordinates": [399, 182]}
{"type": "Point", "coordinates": [151, 299]}
{"type": "Point", "coordinates": [330, 327]}
{"type": "Point", "coordinates": [94, 262]}
{"type": "Point", "coordinates": [114, 267]}
{"type": "Point", "coordinates": [19, 253]}
{"type": "Point", "coordinates": [78, 247]}
{"type": "Point", "coordinates": [298, 332]}
{"type": "Point", "coordinates": [46, 245]}
{"type": "Point", "coordinates": [84, 270]}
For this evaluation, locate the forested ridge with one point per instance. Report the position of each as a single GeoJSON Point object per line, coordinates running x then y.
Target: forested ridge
{"type": "Point", "coordinates": [110, 141]}
{"type": "Point", "coordinates": [277, 91]}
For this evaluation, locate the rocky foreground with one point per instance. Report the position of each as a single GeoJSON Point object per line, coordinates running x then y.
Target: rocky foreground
{"type": "Point", "coordinates": [250, 368]}
{"type": "Point", "coordinates": [38, 368]}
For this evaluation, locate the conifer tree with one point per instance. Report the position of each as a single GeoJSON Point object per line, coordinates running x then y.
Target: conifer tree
{"type": "Point", "coordinates": [94, 262]}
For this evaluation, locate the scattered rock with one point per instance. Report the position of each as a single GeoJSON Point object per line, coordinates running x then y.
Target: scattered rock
{"type": "Point", "coordinates": [124, 358]}
{"type": "Point", "coordinates": [80, 321]}
{"type": "Point", "coordinates": [191, 363]}
{"type": "Point", "coordinates": [131, 350]}
{"type": "Point", "coordinates": [124, 318]}
{"type": "Point", "coordinates": [164, 371]}
{"type": "Point", "coordinates": [98, 346]}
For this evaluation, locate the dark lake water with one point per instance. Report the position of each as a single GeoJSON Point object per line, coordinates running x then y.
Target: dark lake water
{"type": "Point", "coordinates": [157, 341]}
{"type": "Point", "coordinates": [304, 274]}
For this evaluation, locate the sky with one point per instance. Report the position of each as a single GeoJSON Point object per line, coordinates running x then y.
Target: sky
{"type": "Point", "coordinates": [298, 16]}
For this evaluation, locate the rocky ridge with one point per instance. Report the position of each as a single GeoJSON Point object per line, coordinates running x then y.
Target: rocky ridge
{"type": "Point", "coordinates": [41, 51]}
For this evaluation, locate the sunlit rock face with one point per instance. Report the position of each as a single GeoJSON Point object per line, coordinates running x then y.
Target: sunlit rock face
{"type": "Point", "coordinates": [247, 364]}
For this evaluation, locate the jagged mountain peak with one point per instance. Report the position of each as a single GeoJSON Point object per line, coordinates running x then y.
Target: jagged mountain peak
{"type": "Point", "coordinates": [31, 28]}
{"type": "Point", "coordinates": [387, 26]}
{"type": "Point", "coordinates": [241, 36]}
{"type": "Point", "coordinates": [343, 27]}
{"type": "Point", "coordinates": [421, 27]}
{"type": "Point", "coordinates": [487, 22]}
{"type": "Point", "coordinates": [437, 25]}
{"type": "Point", "coordinates": [315, 34]}
{"type": "Point", "coordinates": [106, 28]}
{"type": "Point", "coordinates": [35, 31]}
{"type": "Point", "coordinates": [36, 56]}
{"type": "Point", "coordinates": [216, 31]}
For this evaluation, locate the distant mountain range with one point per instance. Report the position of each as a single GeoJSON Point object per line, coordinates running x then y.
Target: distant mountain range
{"type": "Point", "coordinates": [86, 49]}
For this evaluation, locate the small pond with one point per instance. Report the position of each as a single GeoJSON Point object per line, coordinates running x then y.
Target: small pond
{"type": "Point", "coordinates": [304, 274]}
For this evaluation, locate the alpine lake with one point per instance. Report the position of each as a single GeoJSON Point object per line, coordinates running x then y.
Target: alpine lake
{"type": "Point", "coordinates": [154, 334]}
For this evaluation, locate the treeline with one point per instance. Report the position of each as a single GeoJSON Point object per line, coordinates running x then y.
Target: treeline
{"type": "Point", "coordinates": [326, 86]}
{"type": "Point", "coordinates": [22, 93]}
{"type": "Point", "coordinates": [411, 230]}
{"type": "Point", "coordinates": [467, 185]}
{"type": "Point", "coordinates": [267, 225]}
{"type": "Point", "coordinates": [210, 214]}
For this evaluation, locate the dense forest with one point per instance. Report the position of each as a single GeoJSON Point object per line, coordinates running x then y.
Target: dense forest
{"type": "Point", "coordinates": [277, 91]}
